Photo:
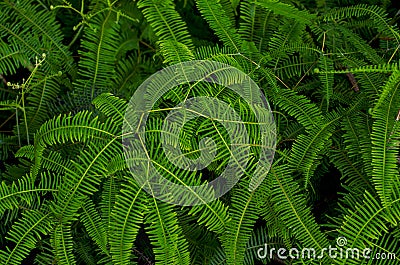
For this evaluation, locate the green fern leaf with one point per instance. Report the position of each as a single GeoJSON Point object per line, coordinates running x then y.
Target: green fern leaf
{"type": "Point", "coordinates": [238, 230]}
{"type": "Point", "coordinates": [170, 246]}
{"type": "Point", "coordinates": [292, 207]}
{"type": "Point", "coordinates": [384, 147]}
{"type": "Point", "coordinates": [94, 225]}
{"type": "Point", "coordinates": [126, 217]}
{"type": "Point", "coordinates": [23, 22]}
{"type": "Point", "coordinates": [219, 21]}
{"type": "Point", "coordinates": [287, 10]}
{"type": "Point", "coordinates": [25, 234]}
{"type": "Point", "coordinates": [62, 243]}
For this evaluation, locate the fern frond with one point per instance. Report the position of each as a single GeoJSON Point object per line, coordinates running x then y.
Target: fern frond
{"type": "Point", "coordinates": [109, 190]}
{"type": "Point", "coordinates": [288, 33]}
{"type": "Point", "coordinates": [363, 225]}
{"type": "Point", "coordinates": [84, 251]}
{"type": "Point", "coordinates": [27, 151]}
{"type": "Point", "coordinates": [111, 106]}
{"type": "Point", "coordinates": [175, 52]}
{"type": "Point", "coordinates": [45, 255]}
{"type": "Point", "coordinates": [24, 234]}
{"type": "Point", "coordinates": [41, 94]}
{"type": "Point", "coordinates": [238, 230]}
{"type": "Point", "coordinates": [131, 73]}
{"type": "Point", "coordinates": [35, 31]}
{"type": "Point", "coordinates": [258, 24]}
{"type": "Point", "coordinates": [213, 215]}
{"type": "Point", "coordinates": [165, 233]}
{"type": "Point", "coordinates": [219, 257]}
{"type": "Point", "coordinates": [7, 142]}
{"type": "Point", "coordinates": [54, 162]}
{"type": "Point", "coordinates": [307, 149]}
{"type": "Point", "coordinates": [11, 58]}
{"type": "Point", "coordinates": [351, 169]}
{"type": "Point", "coordinates": [376, 68]}
{"type": "Point", "coordinates": [222, 54]}
{"type": "Point", "coordinates": [67, 128]}
{"type": "Point", "coordinates": [219, 21]}
{"type": "Point", "coordinates": [166, 21]}
{"type": "Point", "coordinates": [94, 225]}
{"type": "Point", "coordinates": [126, 216]}
{"type": "Point", "coordinates": [275, 228]}
{"type": "Point", "coordinates": [291, 65]}
{"type": "Point", "coordinates": [361, 46]}
{"type": "Point", "coordinates": [21, 190]}
{"type": "Point", "coordinates": [384, 147]}
{"type": "Point", "coordinates": [287, 11]}
{"type": "Point", "coordinates": [377, 14]}
{"type": "Point", "coordinates": [357, 138]}
{"type": "Point", "coordinates": [293, 210]}
{"type": "Point", "coordinates": [202, 243]}
{"type": "Point", "coordinates": [98, 56]}
{"type": "Point", "coordinates": [326, 65]}
{"type": "Point", "coordinates": [299, 107]}
{"type": "Point", "coordinates": [88, 170]}
{"type": "Point", "coordinates": [62, 243]}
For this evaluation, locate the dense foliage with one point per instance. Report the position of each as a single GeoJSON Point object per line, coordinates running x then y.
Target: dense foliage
{"type": "Point", "coordinates": [329, 69]}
